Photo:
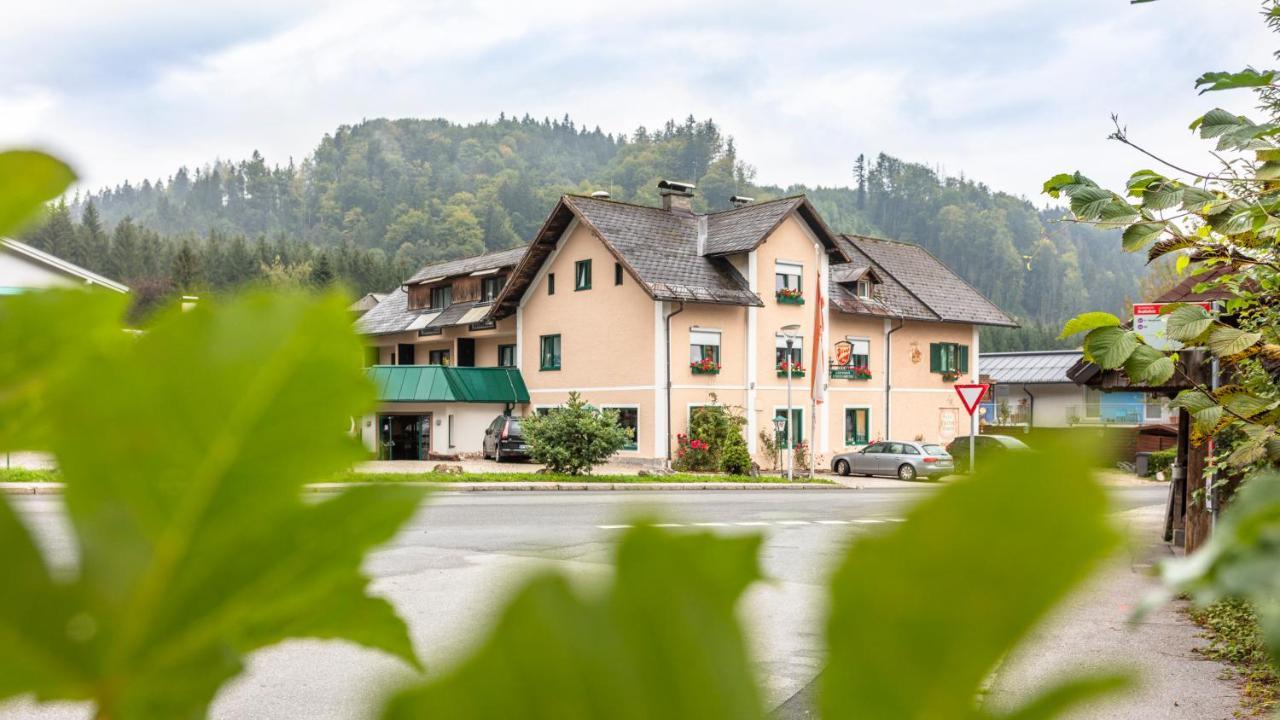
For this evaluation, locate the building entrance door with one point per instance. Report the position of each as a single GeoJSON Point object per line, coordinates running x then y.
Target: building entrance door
{"type": "Point", "coordinates": [405, 437]}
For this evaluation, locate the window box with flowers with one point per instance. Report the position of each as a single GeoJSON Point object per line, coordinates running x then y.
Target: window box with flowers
{"type": "Point", "coordinates": [789, 296]}
{"type": "Point", "coordinates": [705, 366]}
{"type": "Point", "coordinates": [950, 376]}
{"type": "Point", "coordinates": [795, 368]}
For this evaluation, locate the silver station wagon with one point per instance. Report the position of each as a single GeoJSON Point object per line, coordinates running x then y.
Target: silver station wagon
{"type": "Point", "coordinates": [904, 460]}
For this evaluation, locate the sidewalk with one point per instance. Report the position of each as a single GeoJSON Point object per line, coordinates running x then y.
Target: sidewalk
{"type": "Point", "coordinates": [1091, 633]}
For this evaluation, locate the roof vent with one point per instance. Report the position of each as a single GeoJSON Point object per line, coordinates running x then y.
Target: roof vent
{"type": "Point", "coordinates": [740, 200]}
{"type": "Point", "coordinates": [600, 194]}
{"type": "Point", "coordinates": [676, 196]}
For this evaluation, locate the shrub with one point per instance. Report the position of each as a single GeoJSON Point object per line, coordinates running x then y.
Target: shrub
{"type": "Point", "coordinates": [574, 437]}
{"type": "Point", "coordinates": [769, 447]}
{"type": "Point", "coordinates": [1161, 460]}
{"type": "Point", "coordinates": [713, 429]}
{"type": "Point", "coordinates": [735, 460]}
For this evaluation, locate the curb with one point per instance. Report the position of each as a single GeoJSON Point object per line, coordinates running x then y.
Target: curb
{"type": "Point", "coordinates": [56, 488]}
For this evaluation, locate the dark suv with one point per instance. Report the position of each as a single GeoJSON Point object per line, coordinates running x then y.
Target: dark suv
{"type": "Point", "coordinates": [504, 441]}
{"type": "Point", "coordinates": [985, 447]}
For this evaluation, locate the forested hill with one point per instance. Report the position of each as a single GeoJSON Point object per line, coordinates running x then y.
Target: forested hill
{"type": "Point", "coordinates": [378, 199]}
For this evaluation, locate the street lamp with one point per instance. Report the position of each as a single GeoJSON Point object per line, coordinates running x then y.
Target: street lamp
{"type": "Point", "coordinates": [779, 425]}
{"type": "Point", "coordinates": [789, 336]}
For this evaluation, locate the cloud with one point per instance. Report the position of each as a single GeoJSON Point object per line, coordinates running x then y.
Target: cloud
{"type": "Point", "coordinates": [1007, 92]}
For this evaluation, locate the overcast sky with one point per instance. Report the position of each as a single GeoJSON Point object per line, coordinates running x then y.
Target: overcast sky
{"type": "Point", "coordinates": [1004, 91]}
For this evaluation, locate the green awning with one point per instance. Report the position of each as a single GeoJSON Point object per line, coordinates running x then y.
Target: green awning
{"type": "Point", "coordinates": [437, 383]}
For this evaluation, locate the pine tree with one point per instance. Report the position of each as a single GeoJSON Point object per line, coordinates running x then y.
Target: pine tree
{"type": "Point", "coordinates": [126, 252]}
{"type": "Point", "coordinates": [93, 239]}
{"type": "Point", "coordinates": [322, 272]}
{"type": "Point", "coordinates": [187, 271]}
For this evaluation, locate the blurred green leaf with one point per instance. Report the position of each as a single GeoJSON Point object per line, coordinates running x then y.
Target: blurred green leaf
{"type": "Point", "coordinates": [1088, 321]}
{"type": "Point", "coordinates": [1240, 558]}
{"type": "Point", "coordinates": [1110, 347]}
{"type": "Point", "coordinates": [29, 179]}
{"type": "Point", "coordinates": [45, 339]}
{"type": "Point", "coordinates": [661, 642]}
{"type": "Point", "coordinates": [184, 452]}
{"type": "Point", "coordinates": [922, 614]}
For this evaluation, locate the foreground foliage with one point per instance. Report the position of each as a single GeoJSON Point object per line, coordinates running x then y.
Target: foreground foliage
{"type": "Point", "coordinates": [1231, 627]}
{"type": "Point", "coordinates": [183, 451]}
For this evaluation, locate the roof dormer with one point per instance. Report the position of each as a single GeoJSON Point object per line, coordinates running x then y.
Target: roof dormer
{"type": "Point", "coordinates": [860, 280]}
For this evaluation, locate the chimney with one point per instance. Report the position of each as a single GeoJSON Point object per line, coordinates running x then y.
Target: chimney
{"type": "Point", "coordinates": [740, 200]}
{"type": "Point", "coordinates": [676, 196]}
{"type": "Point", "coordinates": [600, 194]}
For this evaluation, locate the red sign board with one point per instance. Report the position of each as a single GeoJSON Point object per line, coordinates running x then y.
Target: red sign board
{"type": "Point", "coordinates": [971, 395]}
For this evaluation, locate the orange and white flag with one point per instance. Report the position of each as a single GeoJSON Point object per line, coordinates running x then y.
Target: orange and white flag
{"type": "Point", "coordinates": [818, 365]}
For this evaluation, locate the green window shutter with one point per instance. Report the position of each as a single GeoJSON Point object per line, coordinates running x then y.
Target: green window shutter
{"type": "Point", "coordinates": [935, 357]}
{"type": "Point", "coordinates": [963, 362]}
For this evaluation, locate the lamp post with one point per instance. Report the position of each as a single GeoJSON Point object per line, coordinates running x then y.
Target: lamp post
{"type": "Point", "coordinates": [789, 335]}
{"type": "Point", "coordinates": [779, 425]}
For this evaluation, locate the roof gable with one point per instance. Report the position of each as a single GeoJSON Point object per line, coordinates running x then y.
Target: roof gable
{"type": "Point", "coordinates": [924, 283]}
{"type": "Point", "coordinates": [57, 264]}
{"type": "Point", "coordinates": [743, 229]}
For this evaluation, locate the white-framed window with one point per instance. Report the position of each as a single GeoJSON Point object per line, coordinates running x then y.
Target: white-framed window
{"type": "Point", "coordinates": [797, 350]}
{"type": "Point", "coordinates": [862, 289]}
{"type": "Point", "coordinates": [787, 275]}
{"type": "Point", "coordinates": [704, 344]}
{"type": "Point", "coordinates": [628, 419]}
{"type": "Point", "coordinates": [859, 352]}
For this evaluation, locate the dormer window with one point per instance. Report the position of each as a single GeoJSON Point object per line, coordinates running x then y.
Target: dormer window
{"type": "Point", "coordinates": [862, 289]}
{"type": "Point", "coordinates": [490, 287]}
{"type": "Point", "coordinates": [441, 297]}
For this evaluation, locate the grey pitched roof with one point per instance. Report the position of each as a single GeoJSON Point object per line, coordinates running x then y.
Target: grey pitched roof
{"type": "Point", "coordinates": [890, 298]}
{"type": "Point", "coordinates": [57, 264]}
{"type": "Point", "coordinates": [1048, 366]}
{"type": "Point", "coordinates": [366, 303]}
{"type": "Point", "coordinates": [930, 285]}
{"type": "Point", "coordinates": [465, 266]}
{"type": "Point", "coordinates": [389, 316]}
{"type": "Point", "coordinates": [741, 229]}
{"type": "Point", "coordinates": [661, 249]}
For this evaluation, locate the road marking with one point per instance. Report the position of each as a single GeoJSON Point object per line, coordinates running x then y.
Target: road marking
{"type": "Point", "coordinates": [764, 523]}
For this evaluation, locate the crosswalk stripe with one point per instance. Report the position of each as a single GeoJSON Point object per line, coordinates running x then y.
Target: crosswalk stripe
{"type": "Point", "coordinates": [613, 527]}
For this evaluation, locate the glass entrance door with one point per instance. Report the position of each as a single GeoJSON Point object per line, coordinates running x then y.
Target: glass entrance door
{"type": "Point", "coordinates": [404, 437]}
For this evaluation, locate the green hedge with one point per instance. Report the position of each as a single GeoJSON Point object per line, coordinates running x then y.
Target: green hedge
{"type": "Point", "coordinates": [27, 475]}
{"type": "Point", "coordinates": [1161, 460]}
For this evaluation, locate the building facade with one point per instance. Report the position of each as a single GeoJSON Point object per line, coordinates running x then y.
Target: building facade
{"type": "Point", "coordinates": [656, 311]}
{"type": "Point", "coordinates": [1031, 389]}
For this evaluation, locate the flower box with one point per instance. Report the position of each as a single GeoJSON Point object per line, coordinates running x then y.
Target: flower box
{"type": "Point", "coordinates": [796, 371]}
{"type": "Point", "coordinates": [789, 297]}
{"type": "Point", "coordinates": [950, 376]}
{"type": "Point", "coordinates": [703, 368]}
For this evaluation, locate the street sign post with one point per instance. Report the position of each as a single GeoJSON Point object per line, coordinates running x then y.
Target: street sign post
{"type": "Point", "coordinates": [970, 396]}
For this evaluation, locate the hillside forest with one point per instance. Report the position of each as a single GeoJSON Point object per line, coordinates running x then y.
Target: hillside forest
{"type": "Point", "coordinates": [377, 200]}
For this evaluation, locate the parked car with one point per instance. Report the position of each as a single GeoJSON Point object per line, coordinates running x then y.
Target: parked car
{"type": "Point", "coordinates": [906, 460]}
{"type": "Point", "coordinates": [984, 447]}
{"type": "Point", "coordinates": [504, 441]}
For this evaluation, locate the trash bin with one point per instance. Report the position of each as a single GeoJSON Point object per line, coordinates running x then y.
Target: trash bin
{"type": "Point", "coordinates": [1142, 464]}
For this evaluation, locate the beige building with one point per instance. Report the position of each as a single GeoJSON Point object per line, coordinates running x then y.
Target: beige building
{"type": "Point", "coordinates": [655, 311]}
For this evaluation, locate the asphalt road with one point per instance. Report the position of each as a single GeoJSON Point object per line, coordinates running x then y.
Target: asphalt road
{"type": "Point", "coordinates": [454, 563]}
